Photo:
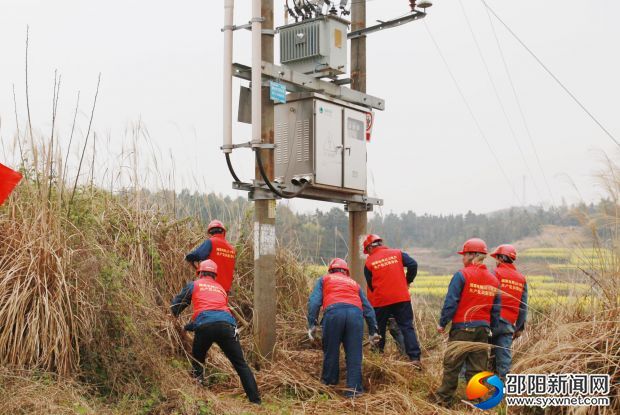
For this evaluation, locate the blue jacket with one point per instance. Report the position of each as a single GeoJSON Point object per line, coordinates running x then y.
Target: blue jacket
{"type": "Point", "coordinates": [316, 301]}
{"type": "Point", "coordinates": [451, 303]}
{"type": "Point", "coordinates": [201, 253]}
{"type": "Point", "coordinates": [184, 298]}
{"type": "Point", "coordinates": [408, 262]}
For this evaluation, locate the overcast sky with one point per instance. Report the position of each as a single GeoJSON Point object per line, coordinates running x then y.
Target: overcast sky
{"type": "Point", "coordinates": [161, 66]}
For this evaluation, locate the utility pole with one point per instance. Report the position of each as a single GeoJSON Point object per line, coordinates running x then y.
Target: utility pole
{"type": "Point", "coordinates": [265, 214]}
{"type": "Point", "coordinates": [358, 215]}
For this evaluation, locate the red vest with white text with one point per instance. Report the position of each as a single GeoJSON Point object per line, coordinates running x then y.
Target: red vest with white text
{"type": "Point", "coordinates": [388, 277]}
{"type": "Point", "coordinates": [478, 294]}
{"type": "Point", "coordinates": [208, 295]}
{"type": "Point", "coordinates": [512, 283]}
{"type": "Point", "coordinates": [340, 288]}
{"type": "Point", "coordinates": [223, 254]}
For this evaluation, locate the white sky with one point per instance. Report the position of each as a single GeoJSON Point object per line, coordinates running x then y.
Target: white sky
{"type": "Point", "coordinates": [161, 64]}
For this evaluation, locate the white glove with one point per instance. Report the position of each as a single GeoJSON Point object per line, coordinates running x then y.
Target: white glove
{"type": "Point", "coordinates": [311, 333]}
{"type": "Point", "coordinates": [374, 339]}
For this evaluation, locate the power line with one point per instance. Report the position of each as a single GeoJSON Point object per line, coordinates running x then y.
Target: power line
{"type": "Point", "coordinates": [499, 100]}
{"type": "Point", "coordinates": [471, 112]}
{"type": "Point", "coordinates": [520, 107]}
{"type": "Point", "coordinates": [555, 78]}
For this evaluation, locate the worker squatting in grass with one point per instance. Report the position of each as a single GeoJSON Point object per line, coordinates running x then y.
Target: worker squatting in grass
{"type": "Point", "coordinates": [482, 307]}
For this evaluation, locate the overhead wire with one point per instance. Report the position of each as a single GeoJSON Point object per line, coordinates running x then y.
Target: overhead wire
{"type": "Point", "coordinates": [555, 78]}
{"type": "Point", "coordinates": [500, 101]}
{"type": "Point", "coordinates": [471, 112]}
{"type": "Point", "coordinates": [520, 107]}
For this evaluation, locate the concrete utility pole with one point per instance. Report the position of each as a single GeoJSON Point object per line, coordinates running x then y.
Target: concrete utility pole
{"type": "Point", "coordinates": [265, 215]}
{"type": "Point", "coordinates": [358, 215]}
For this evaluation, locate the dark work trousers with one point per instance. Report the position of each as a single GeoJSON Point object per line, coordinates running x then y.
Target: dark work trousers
{"type": "Point", "coordinates": [223, 334]}
{"type": "Point", "coordinates": [343, 324]}
{"type": "Point", "coordinates": [502, 348]}
{"type": "Point", "coordinates": [403, 314]}
{"type": "Point", "coordinates": [476, 361]}
{"type": "Point", "coordinates": [396, 334]}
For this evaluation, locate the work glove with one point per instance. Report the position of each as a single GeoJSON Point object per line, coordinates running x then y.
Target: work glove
{"type": "Point", "coordinates": [312, 333]}
{"type": "Point", "coordinates": [517, 334]}
{"type": "Point", "coordinates": [374, 339]}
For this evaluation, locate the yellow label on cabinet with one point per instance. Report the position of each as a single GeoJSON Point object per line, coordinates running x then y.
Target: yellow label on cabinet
{"type": "Point", "coordinates": [338, 38]}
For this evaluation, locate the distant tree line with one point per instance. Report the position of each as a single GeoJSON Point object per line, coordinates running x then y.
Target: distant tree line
{"type": "Point", "coordinates": [321, 235]}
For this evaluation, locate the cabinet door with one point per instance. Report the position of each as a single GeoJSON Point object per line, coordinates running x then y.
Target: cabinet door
{"type": "Point", "coordinates": [354, 149]}
{"type": "Point", "coordinates": [328, 149]}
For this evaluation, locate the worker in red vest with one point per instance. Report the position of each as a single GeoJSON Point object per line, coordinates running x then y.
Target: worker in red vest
{"type": "Point", "coordinates": [218, 249]}
{"type": "Point", "coordinates": [389, 285]}
{"type": "Point", "coordinates": [472, 304]}
{"type": "Point", "coordinates": [211, 323]}
{"type": "Point", "coordinates": [344, 309]}
{"type": "Point", "coordinates": [514, 307]}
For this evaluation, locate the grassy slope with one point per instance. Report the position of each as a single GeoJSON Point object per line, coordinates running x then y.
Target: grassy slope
{"type": "Point", "coordinates": [84, 325]}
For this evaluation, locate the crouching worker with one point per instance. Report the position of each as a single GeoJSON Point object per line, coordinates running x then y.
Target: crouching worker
{"type": "Point", "coordinates": [211, 323]}
{"type": "Point", "coordinates": [472, 304]}
{"type": "Point", "coordinates": [344, 309]}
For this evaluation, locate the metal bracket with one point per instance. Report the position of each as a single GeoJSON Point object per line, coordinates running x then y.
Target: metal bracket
{"type": "Point", "coordinates": [263, 146]}
{"type": "Point", "coordinates": [353, 202]}
{"type": "Point", "coordinates": [248, 26]}
{"type": "Point", "coordinates": [298, 82]}
{"type": "Point", "coordinates": [413, 16]}
{"type": "Point", "coordinates": [358, 207]}
{"type": "Point", "coordinates": [249, 144]}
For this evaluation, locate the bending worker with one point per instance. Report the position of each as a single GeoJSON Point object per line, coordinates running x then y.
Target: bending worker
{"type": "Point", "coordinates": [344, 309]}
{"type": "Point", "coordinates": [472, 304]}
{"type": "Point", "coordinates": [211, 323]}
{"type": "Point", "coordinates": [514, 307]}
{"type": "Point", "coordinates": [386, 280]}
{"type": "Point", "coordinates": [218, 249]}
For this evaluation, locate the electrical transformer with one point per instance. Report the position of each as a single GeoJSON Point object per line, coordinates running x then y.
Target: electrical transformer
{"type": "Point", "coordinates": [316, 47]}
{"type": "Point", "coordinates": [321, 141]}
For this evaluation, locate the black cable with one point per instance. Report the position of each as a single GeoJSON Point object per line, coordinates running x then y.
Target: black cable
{"type": "Point", "coordinates": [555, 78]}
{"type": "Point", "coordinates": [521, 112]}
{"type": "Point", "coordinates": [471, 113]}
{"type": "Point", "coordinates": [231, 169]}
{"type": "Point", "coordinates": [261, 168]}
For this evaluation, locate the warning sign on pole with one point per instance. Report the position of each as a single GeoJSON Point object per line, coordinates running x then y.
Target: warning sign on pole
{"type": "Point", "coordinates": [8, 180]}
{"type": "Point", "coordinates": [370, 119]}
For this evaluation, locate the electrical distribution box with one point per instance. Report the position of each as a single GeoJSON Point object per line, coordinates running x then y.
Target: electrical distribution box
{"type": "Point", "coordinates": [315, 47]}
{"type": "Point", "coordinates": [322, 141]}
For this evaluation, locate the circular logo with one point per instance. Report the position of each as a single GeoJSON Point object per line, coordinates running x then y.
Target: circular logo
{"type": "Point", "coordinates": [476, 389]}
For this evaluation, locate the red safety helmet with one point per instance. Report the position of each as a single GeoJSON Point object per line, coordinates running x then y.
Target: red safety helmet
{"type": "Point", "coordinates": [474, 245]}
{"type": "Point", "coordinates": [509, 250]}
{"type": "Point", "coordinates": [370, 239]}
{"type": "Point", "coordinates": [338, 263]}
{"type": "Point", "coordinates": [214, 224]}
{"type": "Point", "coordinates": [207, 265]}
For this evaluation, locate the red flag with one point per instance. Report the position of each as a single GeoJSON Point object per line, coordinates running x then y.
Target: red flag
{"type": "Point", "coordinates": [8, 180]}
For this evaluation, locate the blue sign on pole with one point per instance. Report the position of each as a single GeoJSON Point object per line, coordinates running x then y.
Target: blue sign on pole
{"type": "Point", "coordinates": [277, 92]}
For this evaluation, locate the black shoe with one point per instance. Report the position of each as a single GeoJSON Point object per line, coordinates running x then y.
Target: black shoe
{"type": "Point", "coordinates": [256, 401]}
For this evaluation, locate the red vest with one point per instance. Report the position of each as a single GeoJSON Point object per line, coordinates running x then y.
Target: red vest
{"type": "Point", "coordinates": [388, 277]}
{"type": "Point", "coordinates": [340, 288]}
{"type": "Point", "coordinates": [223, 254]}
{"type": "Point", "coordinates": [512, 283]}
{"type": "Point", "coordinates": [478, 294]}
{"type": "Point", "coordinates": [208, 295]}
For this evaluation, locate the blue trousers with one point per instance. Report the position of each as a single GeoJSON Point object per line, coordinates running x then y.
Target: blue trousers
{"type": "Point", "coordinates": [403, 314]}
{"type": "Point", "coordinates": [502, 348]}
{"type": "Point", "coordinates": [343, 324]}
